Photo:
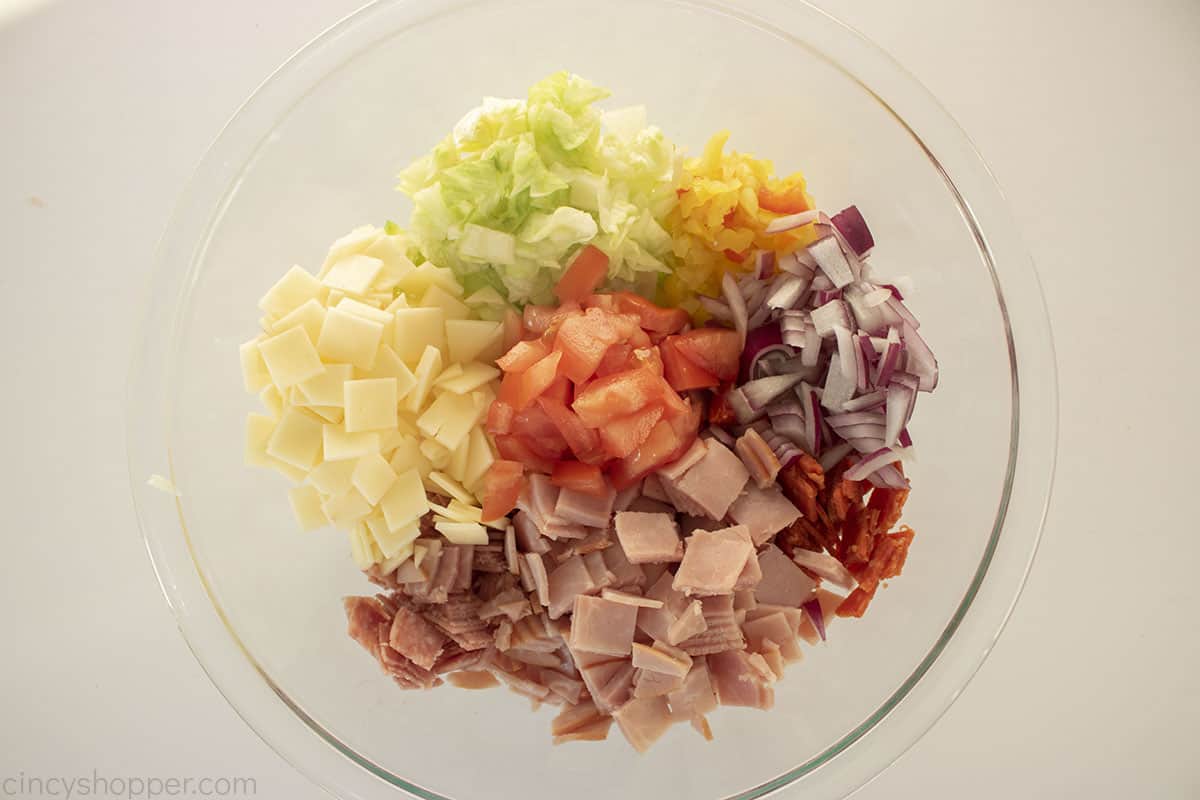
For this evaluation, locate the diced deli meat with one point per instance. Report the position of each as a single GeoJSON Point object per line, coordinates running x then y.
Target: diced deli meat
{"type": "Point", "coordinates": [712, 484]}
{"type": "Point", "coordinates": [712, 561]}
{"type": "Point", "coordinates": [825, 567]}
{"type": "Point", "coordinates": [721, 629]}
{"type": "Point", "coordinates": [688, 624]}
{"type": "Point", "coordinates": [696, 696]}
{"type": "Point", "coordinates": [648, 538]}
{"type": "Point", "coordinates": [603, 626]}
{"type": "Point", "coordinates": [759, 458]}
{"type": "Point", "coordinates": [662, 658]}
{"type": "Point", "coordinates": [776, 629]}
{"type": "Point", "coordinates": [738, 681]}
{"type": "Point", "coordinates": [585, 509]}
{"type": "Point", "coordinates": [765, 512]}
{"type": "Point", "coordinates": [783, 582]}
{"type": "Point", "coordinates": [569, 580]}
{"type": "Point", "coordinates": [416, 639]}
{"type": "Point", "coordinates": [644, 720]}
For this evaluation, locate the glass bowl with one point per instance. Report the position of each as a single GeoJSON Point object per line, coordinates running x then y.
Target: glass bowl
{"type": "Point", "coordinates": [314, 152]}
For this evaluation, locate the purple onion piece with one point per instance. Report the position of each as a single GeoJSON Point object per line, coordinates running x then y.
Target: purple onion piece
{"type": "Point", "coordinates": [813, 609]}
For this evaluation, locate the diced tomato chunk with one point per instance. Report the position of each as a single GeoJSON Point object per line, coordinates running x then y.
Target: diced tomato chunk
{"type": "Point", "coordinates": [787, 199]}
{"type": "Point", "coordinates": [620, 394]}
{"type": "Point", "coordinates": [616, 359]}
{"type": "Point", "coordinates": [653, 318]}
{"type": "Point", "coordinates": [581, 477]}
{"type": "Point", "coordinates": [623, 435]}
{"type": "Point", "coordinates": [583, 340]}
{"type": "Point", "coordinates": [647, 357]}
{"type": "Point", "coordinates": [500, 418]}
{"type": "Point", "coordinates": [501, 487]}
{"type": "Point", "coordinates": [582, 440]}
{"type": "Point", "coordinates": [537, 318]}
{"type": "Point", "coordinates": [533, 381]}
{"type": "Point", "coordinates": [516, 449]}
{"type": "Point", "coordinates": [604, 302]}
{"type": "Point", "coordinates": [668, 440]}
{"type": "Point", "coordinates": [523, 355]}
{"type": "Point", "coordinates": [715, 350]}
{"type": "Point", "coordinates": [585, 273]}
{"type": "Point", "coordinates": [539, 432]}
{"type": "Point", "coordinates": [514, 329]}
{"type": "Point", "coordinates": [681, 372]}
{"type": "Point", "coordinates": [560, 390]}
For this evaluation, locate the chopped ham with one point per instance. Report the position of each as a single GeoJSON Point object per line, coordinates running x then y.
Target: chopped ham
{"type": "Point", "coordinates": [601, 576]}
{"type": "Point", "coordinates": [539, 499]}
{"type": "Point", "coordinates": [557, 528]}
{"type": "Point", "coordinates": [765, 512]}
{"type": "Point", "coordinates": [532, 633]}
{"type": "Point", "coordinates": [405, 673]}
{"type": "Point", "coordinates": [503, 636]}
{"type": "Point", "coordinates": [569, 579]}
{"type": "Point", "coordinates": [711, 484]}
{"type": "Point", "coordinates": [662, 658]}
{"type": "Point", "coordinates": [602, 626]}
{"type": "Point", "coordinates": [701, 726]}
{"type": "Point", "coordinates": [592, 732]}
{"type": "Point", "coordinates": [626, 496]}
{"type": "Point", "coordinates": [529, 538]}
{"type": "Point", "coordinates": [364, 615]}
{"type": "Point", "coordinates": [760, 460]}
{"type": "Point", "coordinates": [825, 566]}
{"type": "Point", "coordinates": [510, 549]}
{"type": "Point", "coordinates": [568, 688]}
{"type": "Point", "coordinates": [626, 575]}
{"type": "Point", "coordinates": [749, 578]}
{"type": "Point", "coordinates": [689, 524]}
{"type": "Point", "coordinates": [648, 538]}
{"type": "Point", "coordinates": [689, 623]}
{"type": "Point", "coordinates": [656, 622]}
{"type": "Point", "coordinates": [618, 596]}
{"type": "Point", "coordinates": [783, 582]}
{"type": "Point", "coordinates": [696, 696]}
{"type": "Point", "coordinates": [577, 719]}
{"type": "Point", "coordinates": [777, 629]}
{"type": "Point", "coordinates": [772, 654]}
{"type": "Point", "coordinates": [794, 616]}
{"type": "Point", "coordinates": [471, 679]}
{"type": "Point", "coordinates": [409, 572]}
{"type": "Point", "coordinates": [455, 658]}
{"type": "Point", "coordinates": [648, 505]}
{"type": "Point", "coordinates": [537, 573]}
{"type": "Point", "coordinates": [618, 686]}
{"type": "Point", "coordinates": [648, 683]}
{"type": "Point", "coordinates": [597, 539]}
{"type": "Point", "coordinates": [722, 631]}
{"type": "Point", "coordinates": [691, 457]}
{"type": "Point", "coordinates": [652, 487]}
{"type": "Point", "coordinates": [585, 509]}
{"type": "Point", "coordinates": [744, 599]}
{"type": "Point", "coordinates": [713, 561]}
{"type": "Point", "coordinates": [532, 658]}
{"type": "Point", "coordinates": [643, 720]}
{"type": "Point", "coordinates": [489, 558]}
{"type": "Point", "coordinates": [415, 638]}
{"type": "Point", "coordinates": [739, 681]}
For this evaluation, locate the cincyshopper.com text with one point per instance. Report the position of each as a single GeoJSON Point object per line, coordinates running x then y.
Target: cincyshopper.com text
{"type": "Point", "coordinates": [132, 787]}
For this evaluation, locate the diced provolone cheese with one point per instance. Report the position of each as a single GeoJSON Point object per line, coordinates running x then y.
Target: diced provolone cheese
{"type": "Point", "coordinates": [346, 509]}
{"type": "Point", "coordinates": [405, 501]}
{"type": "Point", "coordinates": [296, 439]}
{"type": "Point", "coordinates": [473, 339]}
{"type": "Point", "coordinates": [390, 365]}
{"type": "Point", "coordinates": [291, 291]}
{"type": "Point", "coordinates": [306, 506]}
{"type": "Point", "coordinates": [373, 476]}
{"type": "Point", "coordinates": [290, 358]}
{"type": "Point", "coordinates": [254, 369]}
{"type": "Point", "coordinates": [340, 445]}
{"type": "Point", "coordinates": [333, 477]}
{"type": "Point", "coordinates": [393, 543]}
{"type": "Point", "coordinates": [352, 274]}
{"type": "Point", "coordinates": [462, 532]}
{"type": "Point", "coordinates": [326, 388]}
{"type": "Point", "coordinates": [449, 419]}
{"type": "Point", "coordinates": [470, 377]}
{"type": "Point", "coordinates": [451, 487]}
{"type": "Point", "coordinates": [370, 404]}
{"type": "Point", "coordinates": [310, 315]}
{"type": "Point", "coordinates": [416, 329]}
{"type": "Point", "coordinates": [427, 369]}
{"type": "Point", "coordinates": [437, 297]}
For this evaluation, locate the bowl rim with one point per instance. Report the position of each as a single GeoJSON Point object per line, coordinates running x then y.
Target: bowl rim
{"type": "Point", "coordinates": [999, 577]}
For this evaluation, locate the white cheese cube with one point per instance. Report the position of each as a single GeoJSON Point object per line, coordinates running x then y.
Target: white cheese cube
{"type": "Point", "coordinates": [370, 404]}
{"type": "Point", "coordinates": [326, 388]}
{"type": "Point", "coordinates": [449, 419]}
{"type": "Point", "coordinates": [473, 375]}
{"type": "Point", "coordinates": [306, 506]}
{"type": "Point", "coordinates": [290, 358]}
{"type": "Point", "coordinates": [399, 302]}
{"type": "Point", "coordinates": [352, 274]}
{"type": "Point", "coordinates": [457, 468]}
{"type": "Point", "coordinates": [393, 252]}
{"type": "Point", "coordinates": [372, 477]}
{"type": "Point", "coordinates": [408, 455]}
{"type": "Point", "coordinates": [473, 340]}
{"type": "Point", "coordinates": [333, 414]}
{"type": "Point", "coordinates": [455, 511]}
{"type": "Point", "coordinates": [332, 478]}
{"type": "Point", "coordinates": [291, 291]}
{"type": "Point", "coordinates": [480, 459]}
{"type": "Point", "coordinates": [463, 532]}
{"type": "Point", "coordinates": [346, 509]}
{"type": "Point", "coordinates": [437, 297]}
{"type": "Point", "coordinates": [272, 400]}
{"type": "Point", "coordinates": [391, 543]}
{"type": "Point", "coordinates": [487, 296]}
{"type": "Point", "coordinates": [340, 445]}
{"type": "Point", "coordinates": [427, 369]}
{"type": "Point", "coordinates": [356, 241]}
{"type": "Point", "coordinates": [309, 316]}
{"type": "Point", "coordinates": [258, 432]}
{"type": "Point", "coordinates": [254, 369]}
{"type": "Point", "coordinates": [349, 339]}
{"type": "Point", "coordinates": [362, 547]}
{"type": "Point", "coordinates": [296, 439]}
{"type": "Point", "coordinates": [451, 487]}
{"type": "Point", "coordinates": [417, 329]}
{"type": "Point", "coordinates": [437, 455]}
{"type": "Point", "coordinates": [390, 365]}
{"type": "Point", "coordinates": [368, 311]}
{"type": "Point", "coordinates": [418, 281]}
{"type": "Point", "coordinates": [405, 501]}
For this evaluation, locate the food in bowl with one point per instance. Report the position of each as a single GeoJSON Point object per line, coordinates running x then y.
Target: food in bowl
{"type": "Point", "coordinates": [617, 429]}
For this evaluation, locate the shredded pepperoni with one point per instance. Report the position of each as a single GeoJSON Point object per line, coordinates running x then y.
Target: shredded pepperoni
{"type": "Point", "coordinates": [720, 412]}
{"type": "Point", "coordinates": [855, 604]}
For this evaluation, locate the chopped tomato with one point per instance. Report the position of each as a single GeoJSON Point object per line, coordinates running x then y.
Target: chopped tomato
{"type": "Point", "coordinates": [720, 411]}
{"type": "Point", "coordinates": [541, 434]}
{"type": "Point", "coordinates": [648, 357]}
{"type": "Point", "coordinates": [653, 318]}
{"type": "Point", "coordinates": [616, 359]}
{"type": "Point", "coordinates": [716, 350]}
{"type": "Point", "coordinates": [623, 393]}
{"type": "Point", "coordinates": [683, 373]}
{"type": "Point", "coordinates": [500, 418]}
{"type": "Point", "coordinates": [604, 302]}
{"type": "Point", "coordinates": [623, 435]}
{"type": "Point", "coordinates": [785, 199]}
{"type": "Point", "coordinates": [582, 440]}
{"type": "Point", "coordinates": [515, 448]}
{"type": "Point", "coordinates": [586, 478]}
{"type": "Point", "coordinates": [585, 273]}
{"type": "Point", "coordinates": [513, 328]}
{"type": "Point", "coordinates": [501, 487]}
{"type": "Point", "coordinates": [560, 390]}
{"type": "Point", "coordinates": [583, 340]}
{"type": "Point", "coordinates": [533, 381]}
{"type": "Point", "coordinates": [537, 318]}
{"type": "Point", "coordinates": [668, 440]}
{"type": "Point", "coordinates": [523, 355]}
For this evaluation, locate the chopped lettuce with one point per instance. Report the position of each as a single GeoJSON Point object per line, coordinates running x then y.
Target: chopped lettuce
{"type": "Point", "coordinates": [519, 185]}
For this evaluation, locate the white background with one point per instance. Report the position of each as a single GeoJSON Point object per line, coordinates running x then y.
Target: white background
{"type": "Point", "coordinates": [1087, 111]}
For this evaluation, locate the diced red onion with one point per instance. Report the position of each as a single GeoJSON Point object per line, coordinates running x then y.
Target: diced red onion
{"type": "Point", "coordinates": [888, 477]}
{"type": "Point", "coordinates": [827, 252]}
{"type": "Point", "coordinates": [829, 315]}
{"type": "Point", "coordinates": [792, 264]}
{"type": "Point", "coordinates": [846, 348]}
{"type": "Point", "coordinates": [787, 293]}
{"type": "Point", "coordinates": [865, 430]}
{"type": "Point", "coordinates": [812, 422]}
{"type": "Point", "coordinates": [791, 221]}
{"type": "Point", "coordinates": [899, 406]}
{"type": "Point", "coordinates": [716, 308]}
{"type": "Point", "coordinates": [891, 356]}
{"type": "Point", "coordinates": [821, 282]}
{"type": "Point", "coordinates": [849, 221]}
{"type": "Point", "coordinates": [760, 315]}
{"type": "Point", "coordinates": [813, 609]}
{"type": "Point", "coordinates": [760, 392]}
{"type": "Point", "coordinates": [811, 354]}
{"type": "Point", "coordinates": [867, 444]}
{"type": "Point", "coordinates": [905, 440]}
{"type": "Point", "coordinates": [861, 371]}
{"type": "Point", "coordinates": [796, 339]}
{"type": "Point", "coordinates": [903, 312]}
{"type": "Point", "coordinates": [737, 305]}
{"type": "Point", "coordinates": [872, 462]}
{"type": "Point", "coordinates": [760, 364]}
{"type": "Point", "coordinates": [894, 290]}
{"type": "Point", "coordinates": [790, 426]}
{"type": "Point", "coordinates": [721, 435]}
{"type": "Point", "coordinates": [834, 455]}
{"type": "Point", "coordinates": [870, 318]}
{"type": "Point", "coordinates": [921, 360]}
{"type": "Point", "coordinates": [877, 297]}
{"type": "Point", "coordinates": [764, 263]}
{"type": "Point", "coordinates": [866, 402]}
{"type": "Point", "coordinates": [823, 296]}
{"type": "Point", "coordinates": [855, 418]}
{"type": "Point", "coordinates": [741, 407]}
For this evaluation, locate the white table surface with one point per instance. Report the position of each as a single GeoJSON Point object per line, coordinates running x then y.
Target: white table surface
{"type": "Point", "coordinates": [1087, 113]}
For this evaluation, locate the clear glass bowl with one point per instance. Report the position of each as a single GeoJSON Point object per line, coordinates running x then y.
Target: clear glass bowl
{"type": "Point", "coordinates": [313, 153]}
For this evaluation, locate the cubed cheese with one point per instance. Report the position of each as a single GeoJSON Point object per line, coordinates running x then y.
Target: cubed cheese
{"type": "Point", "coordinates": [362, 546]}
{"type": "Point", "coordinates": [393, 543]}
{"type": "Point", "coordinates": [390, 365]}
{"type": "Point", "coordinates": [310, 315]}
{"type": "Point", "coordinates": [417, 329]}
{"type": "Point", "coordinates": [449, 419]}
{"type": "Point", "coordinates": [408, 455]}
{"type": "Point", "coordinates": [370, 404]}
{"type": "Point", "coordinates": [349, 339]}
{"type": "Point", "coordinates": [346, 509]}
{"type": "Point", "coordinates": [455, 511]}
{"type": "Point", "coordinates": [291, 291]}
{"type": "Point", "coordinates": [405, 501]}
{"type": "Point", "coordinates": [419, 280]}
{"type": "Point", "coordinates": [353, 274]}
{"type": "Point", "coordinates": [480, 459]}
{"type": "Point", "coordinates": [356, 241]}
{"type": "Point", "coordinates": [332, 414]}
{"type": "Point", "coordinates": [272, 400]}
{"type": "Point", "coordinates": [332, 478]}
{"type": "Point", "coordinates": [487, 296]}
{"type": "Point", "coordinates": [427, 369]}
{"type": "Point", "coordinates": [463, 532]}
{"type": "Point", "coordinates": [258, 432]}
{"type": "Point", "coordinates": [326, 388]}
{"type": "Point", "coordinates": [473, 339]}
{"type": "Point", "coordinates": [290, 358]}
{"type": "Point", "coordinates": [393, 252]}
{"type": "Point", "coordinates": [368, 311]}
{"type": "Point", "coordinates": [470, 377]}
{"type": "Point", "coordinates": [451, 487]}
{"type": "Point", "coordinates": [296, 440]}
{"type": "Point", "coordinates": [306, 506]}
{"type": "Point", "coordinates": [457, 468]}
{"type": "Point", "coordinates": [373, 477]}
{"type": "Point", "coordinates": [254, 369]}
{"type": "Point", "coordinates": [340, 445]}
{"type": "Point", "coordinates": [437, 297]}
